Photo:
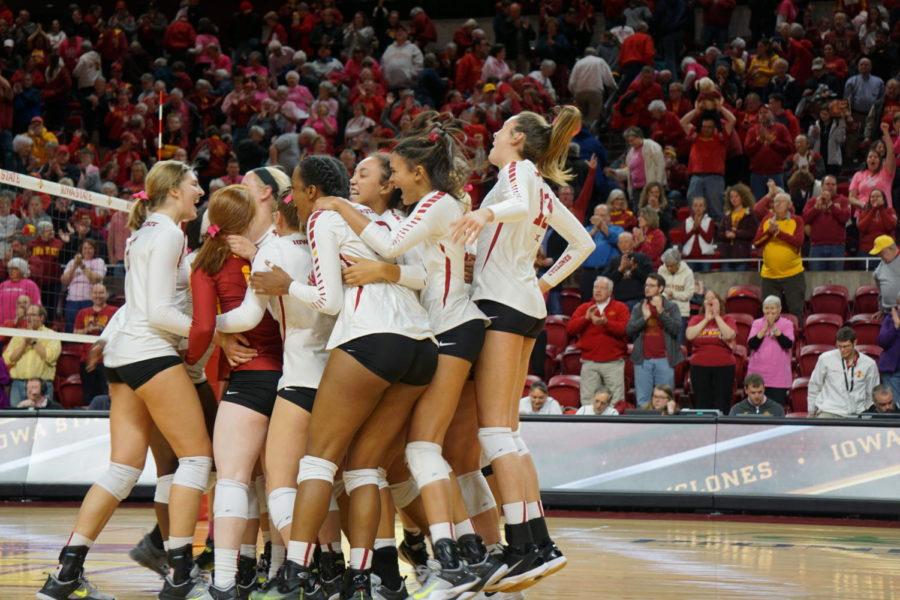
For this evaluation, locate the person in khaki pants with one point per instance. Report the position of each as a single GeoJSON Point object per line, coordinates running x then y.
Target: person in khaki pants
{"type": "Point", "coordinates": [601, 325]}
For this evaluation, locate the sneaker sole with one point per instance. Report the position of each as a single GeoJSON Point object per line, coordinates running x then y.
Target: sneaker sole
{"type": "Point", "coordinates": [43, 596]}
{"type": "Point", "coordinates": [553, 566]}
{"type": "Point", "coordinates": [494, 578]}
{"type": "Point", "coordinates": [142, 559]}
{"type": "Point", "coordinates": [522, 581]}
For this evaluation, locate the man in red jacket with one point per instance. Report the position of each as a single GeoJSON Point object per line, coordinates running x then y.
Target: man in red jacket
{"type": "Point", "coordinates": [768, 144]}
{"type": "Point", "coordinates": [637, 52]}
{"type": "Point", "coordinates": [827, 217]}
{"type": "Point", "coordinates": [601, 325]}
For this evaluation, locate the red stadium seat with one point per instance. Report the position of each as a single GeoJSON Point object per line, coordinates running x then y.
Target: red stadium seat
{"type": "Point", "coordinates": [571, 299]}
{"type": "Point", "coordinates": [556, 330]}
{"type": "Point", "coordinates": [743, 322]}
{"type": "Point", "coordinates": [867, 327]}
{"type": "Point", "coordinates": [873, 352]}
{"type": "Point", "coordinates": [809, 355]}
{"type": "Point", "coordinates": [822, 328]}
{"type": "Point", "coordinates": [529, 379]}
{"type": "Point", "coordinates": [866, 300]}
{"type": "Point", "coordinates": [71, 393]}
{"type": "Point", "coordinates": [798, 330]}
{"type": "Point", "coordinates": [566, 390]}
{"type": "Point", "coordinates": [68, 363]}
{"type": "Point", "coordinates": [677, 236]}
{"type": "Point", "coordinates": [570, 361]}
{"type": "Point", "coordinates": [683, 213]}
{"type": "Point", "coordinates": [569, 410]}
{"type": "Point", "coordinates": [744, 299]}
{"type": "Point", "coordinates": [831, 298]}
{"type": "Point", "coordinates": [551, 364]}
{"type": "Point", "coordinates": [797, 415]}
{"type": "Point", "coordinates": [797, 395]}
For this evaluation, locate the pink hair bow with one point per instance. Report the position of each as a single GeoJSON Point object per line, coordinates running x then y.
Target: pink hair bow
{"type": "Point", "coordinates": [433, 136]}
{"type": "Point", "coordinates": [212, 230]}
{"type": "Point", "coordinates": [140, 196]}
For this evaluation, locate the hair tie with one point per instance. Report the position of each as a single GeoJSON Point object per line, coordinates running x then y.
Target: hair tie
{"type": "Point", "coordinates": [433, 136]}
{"type": "Point", "coordinates": [288, 197]}
{"type": "Point", "coordinates": [212, 230]}
{"type": "Point", "coordinates": [468, 188]}
{"type": "Point", "coordinates": [141, 196]}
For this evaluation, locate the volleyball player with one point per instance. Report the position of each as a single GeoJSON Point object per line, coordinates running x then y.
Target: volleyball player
{"type": "Point", "coordinates": [382, 357]}
{"type": "Point", "coordinates": [509, 228]}
{"type": "Point", "coordinates": [219, 282]}
{"type": "Point", "coordinates": [150, 386]}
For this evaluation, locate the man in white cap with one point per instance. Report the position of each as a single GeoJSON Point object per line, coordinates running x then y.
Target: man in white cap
{"type": "Point", "coordinates": [887, 274]}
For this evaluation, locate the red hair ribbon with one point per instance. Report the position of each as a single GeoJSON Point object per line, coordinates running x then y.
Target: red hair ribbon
{"type": "Point", "coordinates": [288, 198]}
{"type": "Point", "coordinates": [212, 230]}
{"type": "Point", "coordinates": [140, 196]}
{"type": "Point", "coordinates": [468, 187]}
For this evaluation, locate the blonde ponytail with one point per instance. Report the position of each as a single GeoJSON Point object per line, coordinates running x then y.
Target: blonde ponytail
{"type": "Point", "coordinates": [547, 146]}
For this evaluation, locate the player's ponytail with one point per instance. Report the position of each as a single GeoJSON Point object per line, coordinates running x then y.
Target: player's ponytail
{"type": "Point", "coordinates": [160, 180]}
{"type": "Point", "coordinates": [436, 145]}
{"type": "Point", "coordinates": [231, 210]}
{"type": "Point", "coordinates": [547, 146]}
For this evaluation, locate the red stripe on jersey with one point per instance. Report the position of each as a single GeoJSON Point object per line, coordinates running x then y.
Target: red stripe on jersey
{"type": "Point", "coordinates": [283, 317]}
{"type": "Point", "coordinates": [446, 274]}
{"type": "Point", "coordinates": [493, 241]}
{"type": "Point", "coordinates": [420, 212]}
{"type": "Point", "coordinates": [512, 178]}
{"type": "Point", "coordinates": [358, 295]}
{"type": "Point", "coordinates": [383, 224]}
{"type": "Point", "coordinates": [317, 271]}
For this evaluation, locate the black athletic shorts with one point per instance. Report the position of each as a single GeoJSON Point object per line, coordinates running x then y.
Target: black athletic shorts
{"type": "Point", "coordinates": [504, 318]}
{"type": "Point", "coordinates": [138, 373]}
{"type": "Point", "coordinates": [254, 389]}
{"type": "Point", "coordinates": [301, 396]}
{"type": "Point", "coordinates": [395, 358]}
{"type": "Point", "coordinates": [463, 341]}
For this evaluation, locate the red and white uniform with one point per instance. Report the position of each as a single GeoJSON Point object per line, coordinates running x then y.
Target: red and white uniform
{"type": "Point", "coordinates": [524, 206]}
{"type": "Point", "coordinates": [427, 231]}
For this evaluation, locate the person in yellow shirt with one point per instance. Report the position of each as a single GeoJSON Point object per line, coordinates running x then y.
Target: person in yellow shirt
{"type": "Point", "coordinates": [40, 137]}
{"type": "Point", "coordinates": [30, 358]}
{"type": "Point", "coordinates": [781, 238]}
{"type": "Point", "coordinates": [762, 66]}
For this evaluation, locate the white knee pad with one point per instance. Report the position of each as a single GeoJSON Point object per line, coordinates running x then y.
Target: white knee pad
{"type": "Point", "coordinates": [336, 492]}
{"type": "Point", "coordinates": [316, 468]}
{"type": "Point", "coordinates": [193, 472]}
{"type": "Point", "coordinates": [281, 507]}
{"type": "Point", "coordinates": [260, 487]}
{"type": "Point", "coordinates": [353, 480]}
{"type": "Point", "coordinates": [425, 462]}
{"type": "Point", "coordinates": [231, 500]}
{"type": "Point", "coordinates": [163, 487]}
{"type": "Point", "coordinates": [404, 493]}
{"type": "Point", "coordinates": [476, 493]}
{"type": "Point", "coordinates": [496, 442]}
{"type": "Point", "coordinates": [252, 503]}
{"type": "Point", "coordinates": [119, 479]}
{"type": "Point", "coordinates": [521, 448]}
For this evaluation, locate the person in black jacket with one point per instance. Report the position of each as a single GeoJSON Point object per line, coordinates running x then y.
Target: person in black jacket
{"type": "Point", "coordinates": [628, 272]}
{"type": "Point", "coordinates": [755, 402]}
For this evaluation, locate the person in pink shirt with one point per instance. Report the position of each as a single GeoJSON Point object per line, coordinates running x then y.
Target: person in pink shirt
{"type": "Point", "coordinates": [878, 174]}
{"type": "Point", "coordinates": [17, 285]}
{"type": "Point", "coordinates": [769, 342]}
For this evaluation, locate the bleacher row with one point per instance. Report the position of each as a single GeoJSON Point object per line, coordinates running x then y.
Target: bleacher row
{"type": "Point", "coordinates": [828, 309]}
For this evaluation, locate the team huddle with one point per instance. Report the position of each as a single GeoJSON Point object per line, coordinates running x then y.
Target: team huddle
{"type": "Point", "coordinates": [373, 371]}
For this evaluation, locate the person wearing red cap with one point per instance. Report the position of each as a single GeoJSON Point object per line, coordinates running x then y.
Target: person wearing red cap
{"type": "Point", "coordinates": [58, 166]}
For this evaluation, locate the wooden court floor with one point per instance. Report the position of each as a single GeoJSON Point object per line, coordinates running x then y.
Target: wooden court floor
{"type": "Point", "coordinates": [610, 558]}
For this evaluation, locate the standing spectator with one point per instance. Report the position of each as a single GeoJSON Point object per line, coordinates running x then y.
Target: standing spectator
{"type": "Point", "coordinates": [600, 406]}
{"type": "Point", "coordinates": [761, 67]}
{"type": "Point", "coordinates": [887, 273]}
{"type": "Point", "coordinates": [650, 240]}
{"type": "Point", "coordinates": [770, 341]}
{"type": "Point", "coordinates": [606, 237]}
{"type": "Point", "coordinates": [879, 173]}
{"type": "Point", "coordinates": [701, 234]}
{"type": "Point", "coordinates": [495, 64]}
{"type": "Point", "coordinates": [600, 325]}
{"type": "Point", "coordinates": [36, 398]}
{"type": "Point", "coordinates": [756, 400]}
{"type": "Point", "coordinates": [18, 284]}
{"type": "Point", "coordinates": [679, 282]}
{"type": "Point", "coordinates": [92, 320]}
{"type": "Point", "coordinates": [827, 136]}
{"type": "Point", "coordinates": [861, 91]}
{"type": "Point", "coordinates": [841, 384]}
{"type": "Point", "coordinates": [781, 238]}
{"type": "Point", "coordinates": [45, 251]}
{"type": "Point", "coordinates": [539, 402]}
{"type": "Point", "coordinates": [716, 21]}
{"type": "Point", "coordinates": [882, 111]}
{"type": "Point", "coordinates": [644, 162]}
{"type": "Point", "coordinates": [712, 361]}
{"type": "Point", "coordinates": [468, 68]}
{"type": "Point", "coordinates": [30, 358]}
{"type": "Point", "coordinates": [655, 328]}
{"type": "Point", "coordinates": [10, 224]}
{"type": "Point", "coordinates": [882, 401]}
{"type": "Point", "coordinates": [876, 218]}
{"type": "Point", "coordinates": [637, 52]}
{"type": "Point", "coordinates": [662, 401]}
{"type": "Point", "coordinates": [80, 275]}
{"type": "Point", "coordinates": [827, 215]}
{"type": "Point", "coordinates": [768, 145]}
{"type": "Point", "coordinates": [706, 165]}
{"type": "Point", "coordinates": [628, 272]}
{"type": "Point", "coordinates": [401, 61]}
{"type": "Point", "coordinates": [589, 80]}
{"type": "Point", "coordinates": [889, 340]}
{"type": "Point", "coordinates": [737, 228]}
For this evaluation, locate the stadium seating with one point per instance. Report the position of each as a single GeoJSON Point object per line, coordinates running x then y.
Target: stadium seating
{"type": "Point", "coordinates": [831, 298]}
{"type": "Point", "coordinates": [555, 326]}
{"type": "Point", "coordinates": [571, 299]}
{"type": "Point", "coordinates": [565, 389]}
{"type": "Point", "coordinates": [70, 392]}
{"type": "Point", "coordinates": [873, 352]}
{"type": "Point", "coordinates": [743, 322]}
{"type": "Point", "coordinates": [866, 327]}
{"type": "Point", "coordinates": [570, 361]}
{"type": "Point", "coordinates": [865, 300]}
{"type": "Point", "coordinates": [798, 395]}
{"type": "Point", "coordinates": [744, 299]}
{"type": "Point", "coordinates": [821, 328]}
{"type": "Point", "coordinates": [809, 354]}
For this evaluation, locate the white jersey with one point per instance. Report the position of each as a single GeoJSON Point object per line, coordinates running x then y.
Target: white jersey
{"type": "Point", "coordinates": [427, 230]}
{"type": "Point", "coordinates": [364, 310]}
{"type": "Point", "coordinates": [153, 261]}
{"type": "Point", "coordinates": [304, 330]}
{"type": "Point", "coordinates": [524, 206]}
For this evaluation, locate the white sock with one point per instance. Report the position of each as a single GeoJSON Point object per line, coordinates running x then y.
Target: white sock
{"type": "Point", "coordinates": [463, 528]}
{"type": "Point", "coordinates": [514, 513]}
{"type": "Point", "coordinates": [278, 552]}
{"type": "Point", "coordinates": [300, 552]}
{"type": "Point", "coordinates": [248, 550]}
{"type": "Point", "coordinates": [385, 543]}
{"type": "Point", "coordinates": [76, 539]}
{"type": "Point", "coordinates": [266, 536]}
{"type": "Point", "coordinates": [226, 567]}
{"type": "Point", "coordinates": [360, 559]}
{"type": "Point", "coordinates": [534, 510]}
{"type": "Point", "coordinates": [333, 547]}
{"type": "Point", "coordinates": [179, 542]}
{"type": "Point", "coordinates": [166, 545]}
{"type": "Point", "coordinates": [441, 531]}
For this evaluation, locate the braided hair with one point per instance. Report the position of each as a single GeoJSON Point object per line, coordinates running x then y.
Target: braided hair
{"type": "Point", "coordinates": [326, 173]}
{"type": "Point", "coordinates": [435, 144]}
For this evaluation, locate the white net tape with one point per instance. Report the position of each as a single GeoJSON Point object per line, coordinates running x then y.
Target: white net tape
{"type": "Point", "coordinates": [52, 188]}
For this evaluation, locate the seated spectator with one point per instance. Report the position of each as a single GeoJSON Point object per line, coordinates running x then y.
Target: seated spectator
{"type": "Point", "coordinates": [655, 329]}
{"type": "Point", "coordinates": [679, 282]}
{"type": "Point", "coordinates": [539, 402]}
{"type": "Point", "coordinates": [887, 273]}
{"type": "Point", "coordinates": [876, 218]}
{"type": "Point", "coordinates": [606, 237]}
{"type": "Point", "coordinates": [701, 234]}
{"type": "Point", "coordinates": [600, 327]}
{"type": "Point", "coordinates": [755, 401]}
{"type": "Point", "coordinates": [882, 401]}
{"type": "Point", "coordinates": [841, 385]}
{"type": "Point", "coordinates": [29, 358]}
{"type": "Point", "coordinates": [781, 239]}
{"type": "Point", "coordinates": [92, 321]}
{"type": "Point", "coordinates": [770, 342]}
{"type": "Point", "coordinates": [826, 215]}
{"type": "Point", "coordinates": [712, 361]}
{"type": "Point", "coordinates": [662, 400]}
{"type": "Point", "coordinates": [628, 271]}
{"type": "Point", "coordinates": [648, 237]}
{"type": "Point", "coordinates": [878, 173]}
{"type": "Point", "coordinates": [619, 213]}
{"type": "Point", "coordinates": [737, 228]}
{"type": "Point", "coordinates": [36, 398]}
{"type": "Point", "coordinates": [79, 277]}
{"type": "Point", "coordinates": [17, 285]}
{"type": "Point", "coordinates": [654, 196]}
{"type": "Point", "coordinates": [600, 406]}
